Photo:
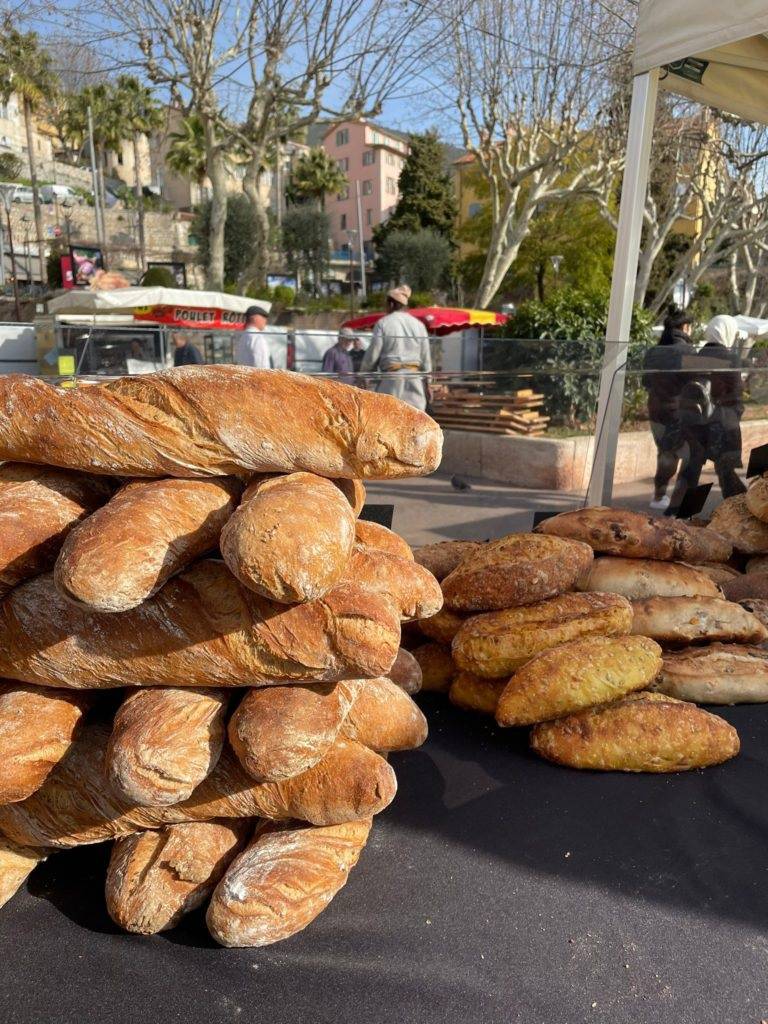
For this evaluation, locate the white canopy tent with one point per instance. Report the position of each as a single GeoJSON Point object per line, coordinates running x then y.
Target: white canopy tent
{"type": "Point", "coordinates": [125, 300]}
{"type": "Point", "coordinates": [711, 52]}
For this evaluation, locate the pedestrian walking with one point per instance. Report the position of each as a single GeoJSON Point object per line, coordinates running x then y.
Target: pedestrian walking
{"type": "Point", "coordinates": [338, 358]}
{"type": "Point", "coordinates": [400, 349]}
{"type": "Point", "coordinates": [721, 356]}
{"type": "Point", "coordinates": [251, 348]}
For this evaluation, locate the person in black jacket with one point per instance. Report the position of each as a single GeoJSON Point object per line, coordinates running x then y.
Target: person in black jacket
{"type": "Point", "coordinates": [185, 354]}
{"type": "Point", "coordinates": [724, 433]}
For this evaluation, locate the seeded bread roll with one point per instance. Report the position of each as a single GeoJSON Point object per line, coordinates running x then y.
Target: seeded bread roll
{"type": "Point", "coordinates": [280, 731]}
{"type": "Point", "coordinates": [496, 644]}
{"type": "Point", "coordinates": [291, 537]}
{"type": "Point", "coordinates": [637, 578]}
{"type": "Point", "coordinates": [442, 558]}
{"type": "Point", "coordinates": [38, 508]}
{"type": "Point", "coordinates": [644, 732]}
{"type": "Point", "coordinates": [734, 520]}
{"type": "Point", "coordinates": [202, 629]}
{"type": "Point", "coordinates": [520, 569]}
{"type": "Point", "coordinates": [16, 864]}
{"type": "Point", "coordinates": [686, 620]}
{"type": "Point", "coordinates": [443, 626]}
{"type": "Point", "coordinates": [199, 421]}
{"type": "Point", "coordinates": [413, 590]}
{"type": "Point", "coordinates": [384, 718]}
{"type": "Point", "coordinates": [757, 498]}
{"type": "Point", "coordinates": [74, 806]}
{"type": "Point", "coordinates": [577, 675]}
{"type": "Point", "coordinates": [374, 535]}
{"type": "Point", "coordinates": [475, 694]}
{"type": "Point", "coordinates": [437, 667]}
{"type": "Point", "coordinates": [155, 878]}
{"type": "Point", "coordinates": [282, 881]}
{"type": "Point", "coordinates": [149, 531]}
{"type": "Point", "coordinates": [164, 742]}
{"type": "Point", "coordinates": [37, 727]}
{"type": "Point", "coordinates": [406, 672]}
{"type": "Point", "coordinates": [718, 674]}
{"type": "Point", "coordinates": [618, 531]}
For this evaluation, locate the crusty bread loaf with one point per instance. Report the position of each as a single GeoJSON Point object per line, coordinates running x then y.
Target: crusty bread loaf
{"type": "Point", "coordinates": [757, 498]}
{"type": "Point", "coordinates": [445, 556]}
{"type": "Point", "coordinates": [577, 675]}
{"type": "Point", "coordinates": [155, 878]}
{"type": "Point", "coordinates": [475, 694]}
{"type": "Point", "coordinates": [37, 727]}
{"type": "Point", "coordinates": [644, 732]}
{"type": "Point", "coordinates": [74, 806]}
{"type": "Point", "coordinates": [636, 578]}
{"type": "Point", "coordinates": [756, 564]}
{"type": "Point", "coordinates": [279, 731]}
{"type": "Point", "coordinates": [164, 742]}
{"type": "Point", "coordinates": [718, 572]}
{"type": "Point", "coordinates": [519, 569]}
{"type": "Point", "coordinates": [496, 644]}
{"type": "Point", "coordinates": [16, 864]}
{"type": "Point", "coordinates": [619, 531]}
{"type": "Point", "coordinates": [717, 674]}
{"type": "Point", "coordinates": [374, 535]}
{"type": "Point", "coordinates": [385, 718]}
{"type": "Point", "coordinates": [443, 626]}
{"type": "Point", "coordinates": [437, 667]}
{"type": "Point", "coordinates": [413, 590]}
{"type": "Point", "coordinates": [406, 672]}
{"type": "Point", "coordinates": [291, 537]}
{"type": "Point", "coordinates": [197, 421]}
{"type": "Point", "coordinates": [757, 606]}
{"type": "Point", "coordinates": [733, 519]}
{"type": "Point", "coordinates": [282, 881]}
{"type": "Point", "coordinates": [149, 531]}
{"type": "Point", "coordinates": [38, 508]}
{"type": "Point", "coordinates": [750, 586]}
{"type": "Point", "coordinates": [687, 620]}
{"type": "Point", "coordinates": [202, 629]}
{"type": "Point", "coordinates": [354, 492]}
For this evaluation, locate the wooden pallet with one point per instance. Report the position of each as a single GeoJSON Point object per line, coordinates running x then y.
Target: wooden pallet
{"type": "Point", "coordinates": [518, 413]}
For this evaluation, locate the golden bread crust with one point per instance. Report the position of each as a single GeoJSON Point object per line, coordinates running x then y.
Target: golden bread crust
{"type": "Point", "coordinates": [686, 620]}
{"type": "Point", "coordinates": [472, 693]}
{"type": "Point", "coordinates": [717, 674]}
{"type": "Point", "coordinates": [733, 519]}
{"type": "Point", "coordinates": [637, 578]}
{"type": "Point", "coordinates": [757, 498]}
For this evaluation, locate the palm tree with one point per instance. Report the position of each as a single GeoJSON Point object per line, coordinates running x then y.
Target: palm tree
{"type": "Point", "coordinates": [315, 176]}
{"type": "Point", "coordinates": [187, 154]}
{"type": "Point", "coordinates": [25, 71]}
{"type": "Point", "coordinates": [139, 115]}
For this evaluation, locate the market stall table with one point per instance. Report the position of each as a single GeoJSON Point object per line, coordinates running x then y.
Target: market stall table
{"type": "Point", "coordinates": [498, 888]}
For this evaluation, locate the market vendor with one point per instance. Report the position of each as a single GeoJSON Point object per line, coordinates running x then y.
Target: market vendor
{"type": "Point", "coordinates": [185, 353]}
{"type": "Point", "coordinates": [251, 348]}
{"type": "Point", "coordinates": [400, 348]}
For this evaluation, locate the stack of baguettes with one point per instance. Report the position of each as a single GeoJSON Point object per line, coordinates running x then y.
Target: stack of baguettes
{"type": "Point", "coordinates": [192, 536]}
{"type": "Point", "coordinates": [538, 631]}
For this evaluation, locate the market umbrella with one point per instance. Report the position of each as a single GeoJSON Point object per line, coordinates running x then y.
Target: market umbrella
{"type": "Point", "coordinates": [437, 319]}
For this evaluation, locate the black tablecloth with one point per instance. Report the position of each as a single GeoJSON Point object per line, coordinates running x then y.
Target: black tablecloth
{"type": "Point", "coordinates": [497, 888]}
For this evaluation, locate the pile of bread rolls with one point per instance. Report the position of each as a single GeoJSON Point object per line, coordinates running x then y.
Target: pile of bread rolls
{"type": "Point", "coordinates": [199, 639]}
{"type": "Point", "coordinates": [600, 629]}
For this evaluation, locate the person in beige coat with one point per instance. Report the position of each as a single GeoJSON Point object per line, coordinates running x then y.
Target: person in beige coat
{"type": "Point", "coordinates": [400, 348]}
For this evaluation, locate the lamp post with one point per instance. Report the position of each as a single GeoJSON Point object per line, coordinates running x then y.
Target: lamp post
{"type": "Point", "coordinates": [5, 195]}
{"type": "Point", "coordinates": [67, 205]}
{"type": "Point", "coordinates": [352, 236]}
{"type": "Point", "coordinates": [26, 220]}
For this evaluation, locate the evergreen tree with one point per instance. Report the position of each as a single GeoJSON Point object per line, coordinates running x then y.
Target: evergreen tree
{"type": "Point", "coordinates": [239, 245]}
{"type": "Point", "coordinates": [427, 200]}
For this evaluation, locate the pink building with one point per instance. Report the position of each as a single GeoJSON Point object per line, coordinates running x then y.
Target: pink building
{"type": "Point", "coordinates": [373, 156]}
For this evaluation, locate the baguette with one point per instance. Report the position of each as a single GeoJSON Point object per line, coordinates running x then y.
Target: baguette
{"type": "Point", "coordinates": [291, 538]}
{"type": "Point", "coordinates": [201, 629]}
{"type": "Point", "coordinates": [16, 864]}
{"type": "Point", "coordinates": [164, 742]}
{"type": "Point", "coordinates": [75, 807]}
{"type": "Point", "coordinates": [378, 537]}
{"type": "Point", "coordinates": [384, 718]}
{"type": "Point", "coordinates": [155, 878]}
{"type": "Point", "coordinates": [413, 589]}
{"type": "Point", "coordinates": [406, 672]}
{"type": "Point", "coordinates": [37, 727]}
{"type": "Point", "coordinates": [282, 881]}
{"type": "Point", "coordinates": [38, 508]}
{"type": "Point", "coordinates": [199, 421]}
{"type": "Point", "coordinates": [148, 532]}
{"type": "Point", "coordinates": [280, 731]}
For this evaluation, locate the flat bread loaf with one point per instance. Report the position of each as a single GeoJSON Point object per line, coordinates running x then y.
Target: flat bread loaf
{"type": "Point", "coordinates": [733, 519]}
{"type": "Point", "coordinates": [636, 578]}
{"type": "Point", "coordinates": [644, 732]}
{"type": "Point", "coordinates": [687, 620]}
{"type": "Point", "coordinates": [496, 644]}
{"type": "Point", "coordinates": [619, 531]}
{"type": "Point", "coordinates": [718, 674]}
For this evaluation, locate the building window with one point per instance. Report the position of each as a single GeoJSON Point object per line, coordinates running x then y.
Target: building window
{"type": "Point", "coordinates": [367, 188]}
{"type": "Point", "coordinates": [4, 111]}
{"type": "Point", "coordinates": [474, 209]}
{"type": "Point", "coordinates": [343, 163]}
{"type": "Point", "coordinates": [391, 186]}
{"type": "Point", "coordinates": [369, 157]}
{"type": "Point", "coordinates": [391, 159]}
{"type": "Point", "coordinates": [344, 194]}
{"type": "Point", "coordinates": [376, 138]}
{"type": "Point", "coordinates": [369, 217]}
{"type": "Point", "coordinates": [343, 222]}
{"type": "Point", "coordinates": [342, 137]}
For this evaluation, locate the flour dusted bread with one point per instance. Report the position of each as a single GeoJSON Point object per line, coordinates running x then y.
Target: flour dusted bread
{"type": "Point", "coordinates": [16, 864]}
{"type": "Point", "coordinates": [475, 694]}
{"type": "Point", "coordinates": [74, 807]}
{"type": "Point", "coordinates": [406, 672]}
{"type": "Point", "coordinates": [149, 531]}
{"type": "Point", "coordinates": [202, 629]}
{"type": "Point", "coordinates": [577, 675]}
{"type": "Point", "coordinates": [38, 508]}
{"type": "Point", "coordinates": [519, 569]}
{"type": "Point", "coordinates": [496, 644]}
{"type": "Point", "coordinates": [164, 742]}
{"type": "Point", "coordinates": [37, 727]}
{"type": "Point", "coordinates": [637, 578]}
{"type": "Point", "coordinates": [155, 878]}
{"type": "Point", "coordinates": [445, 556]}
{"type": "Point", "coordinates": [384, 718]}
{"type": "Point", "coordinates": [718, 674]}
{"type": "Point", "coordinates": [757, 498]}
{"type": "Point", "coordinates": [291, 537]}
{"type": "Point", "coordinates": [282, 881]}
{"type": "Point", "coordinates": [733, 519]}
{"type": "Point", "coordinates": [378, 537]}
{"type": "Point", "coordinates": [197, 421]}
{"type": "Point", "coordinates": [685, 620]}
{"type": "Point", "coordinates": [644, 732]}
{"type": "Point", "coordinates": [437, 666]}
{"type": "Point", "coordinates": [619, 531]}
{"type": "Point", "coordinates": [280, 731]}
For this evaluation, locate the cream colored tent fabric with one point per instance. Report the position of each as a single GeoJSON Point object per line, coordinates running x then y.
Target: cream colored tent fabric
{"type": "Point", "coordinates": [730, 37]}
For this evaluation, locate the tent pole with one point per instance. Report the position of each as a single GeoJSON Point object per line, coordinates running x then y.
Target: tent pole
{"type": "Point", "coordinates": [635, 182]}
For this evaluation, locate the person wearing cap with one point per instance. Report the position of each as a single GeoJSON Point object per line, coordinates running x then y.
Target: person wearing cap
{"type": "Point", "coordinates": [337, 359]}
{"type": "Point", "coordinates": [251, 348]}
{"type": "Point", "coordinates": [400, 349]}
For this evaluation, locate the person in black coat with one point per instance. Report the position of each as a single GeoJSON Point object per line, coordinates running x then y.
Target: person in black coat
{"type": "Point", "coordinates": [185, 353]}
{"type": "Point", "coordinates": [727, 386]}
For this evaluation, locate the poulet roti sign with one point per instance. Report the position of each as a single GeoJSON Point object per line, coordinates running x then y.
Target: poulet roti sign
{"type": "Point", "coordinates": [191, 316]}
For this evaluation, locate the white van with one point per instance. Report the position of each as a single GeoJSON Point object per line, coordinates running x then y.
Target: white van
{"type": "Point", "coordinates": [19, 193]}
{"type": "Point", "coordinates": [53, 193]}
